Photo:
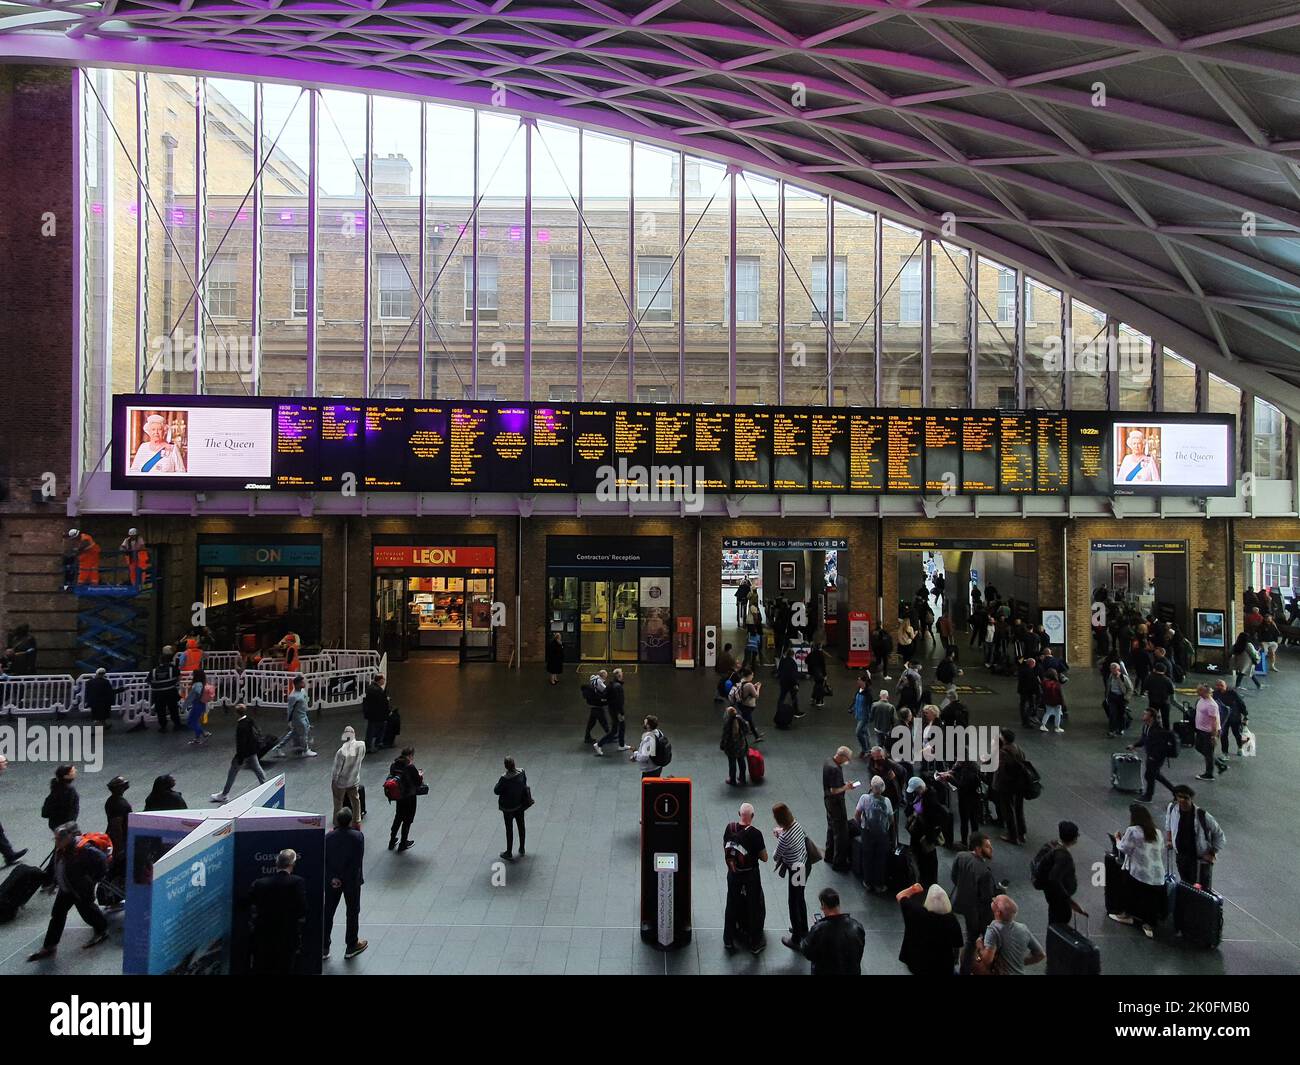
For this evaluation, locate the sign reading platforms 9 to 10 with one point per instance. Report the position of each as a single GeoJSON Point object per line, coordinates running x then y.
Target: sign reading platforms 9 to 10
{"type": "Point", "coordinates": [309, 445]}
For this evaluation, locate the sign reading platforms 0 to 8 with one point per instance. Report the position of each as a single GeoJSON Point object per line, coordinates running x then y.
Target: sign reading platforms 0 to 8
{"type": "Point", "coordinates": [197, 443]}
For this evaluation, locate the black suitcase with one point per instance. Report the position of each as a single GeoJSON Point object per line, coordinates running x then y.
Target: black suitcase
{"type": "Point", "coordinates": [1071, 953]}
{"type": "Point", "coordinates": [784, 716]}
{"type": "Point", "coordinates": [361, 801]}
{"type": "Point", "coordinates": [1116, 885]}
{"type": "Point", "coordinates": [857, 862]}
{"type": "Point", "coordinates": [1186, 732]}
{"type": "Point", "coordinates": [392, 727]}
{"type": "Point", "coordinates": [1198, 915]}
{"type": "Point", "coordinates": [19, 886]}
{"type": "Point", "coordinates": [900, 870]}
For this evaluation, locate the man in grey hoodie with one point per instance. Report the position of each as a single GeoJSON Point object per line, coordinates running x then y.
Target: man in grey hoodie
{"type": "Point", "coordinates": [347, 774]}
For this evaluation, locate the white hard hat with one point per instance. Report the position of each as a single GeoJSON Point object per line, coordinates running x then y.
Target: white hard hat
{"type": "Point", "coordinates": [74, 532]}
{"type": "Point", "coordinates": [132, 532]}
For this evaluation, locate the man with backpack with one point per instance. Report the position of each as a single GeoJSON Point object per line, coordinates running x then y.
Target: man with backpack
{"type": "Point", "coordinates": [742, 849]}
{"type": "Point", "coordinates": [615, 699]}
{"type": "Point", "coordinates": [655, 751]}
{"type": "Point", "coordinates": [1052, 872]}
{"type": "Point", "coordinates": [78, 864]}
{"type": "Point", "coordinates": [1194, 836]}
{"type": "Point", "coordinates": [593, 692]}
{"type": "Point", "coordinates": [1160, 692]}
{"type": "Point", "coordinates": [1159, 745]}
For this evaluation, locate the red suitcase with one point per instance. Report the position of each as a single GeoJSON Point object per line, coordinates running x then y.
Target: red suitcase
{"type": "Point", "coordinates": [756, 765]}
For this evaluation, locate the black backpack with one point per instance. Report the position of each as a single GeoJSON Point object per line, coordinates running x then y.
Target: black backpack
{"type": "Point", "coordinates": [1041, 865]}
{"type": "Point", "coordinates": [663, 752]}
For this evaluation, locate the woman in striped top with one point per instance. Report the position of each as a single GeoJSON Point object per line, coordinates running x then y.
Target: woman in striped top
{"type": "Point", "coordinates": [790, 859]}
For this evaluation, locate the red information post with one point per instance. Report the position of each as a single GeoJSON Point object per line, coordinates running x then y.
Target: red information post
{"type": "Point", "coordinates": [859, 639]}
{"type": "Point", "coordinates": [684, 654]}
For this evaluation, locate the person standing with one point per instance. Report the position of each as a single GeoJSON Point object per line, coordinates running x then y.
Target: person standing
{"type": "Point", "coordinates": [1117, 688]}
{"type": "Point", "coordinates": [248, 745]}
{"type": "Point", "coordinates": [875, 817]}
{"type": "Point", "coordinates": [836, 941]}
{"type": "Point", "coordinates": [747, 701]}
{"type": "Point", "coordinates": [513, 798]}
{"type": "Point", "coordinates": [345, 851]}
{"type": "Point", "coordinates": [137, 557]}
{"type": "Point", "coordinates": [816, 663]}
{"type": "Point", "coordinates": [924, 829]}
{"type": "Point", "coordinates": [165, 689]}
{"type": "Point", "coordinates": [1156, 743]}
{"type": "Point", "coordinates": [735, 746]}
{"type": "Point", "coordinates": [742, 850]}
{"type": "Point", "coordinates": [1160, 692]}
{"type": "Point", "coordinates": [1029, 689]}
{"type": "Point", "coordinates": [882, 646]}
{"type": "Point", "coordinates": [791, 861]}
{"type": "Point", "coordinates": [742, 600]}
{"type": "Point", "coordinates": [861, 710]}
{"type": "Point", "coordinates": [62, 805]}
{"type": "Point", "coordinates": [1010, 780]}
{"type": "Point", "coordinates": [1008, 947]}
{"type": "Point", "coordinates": [882, 719]}
{"type": "Point", "coordinates": [615, 698]}
{"type": "Point", "coordinates": [100, 696]}
{"type": "Point", "coordinates": [787, 675]}
{"type": "Point", "coordinates": [1143, 854]}
{"type": "Point", "coordinates": [555, 657]}
{"type": "Point", "coordinates": [75, 869]}
{"type": "Point", "coordinates": [932, 936]}
{"type": "Point", "coordinates": [973, 889]}
{"type": "Point", "coordinates": [345, 780]}
{"type": "Point", "coordinates": [654, 751]}
{"type": "Point", "coordinates": [410, 783]}
{"type": "Point", "coordinates": [1053, 702]}
{"type": "Point", "coordinates": [1207, 730]}
{"type": "Point", "coordinates": [7, 852]}
{"type": "Point", "coordinates": [164, 795]}
{"type": "Point", "coordinates": [726, 664]}
{"type": "Point", "coordinates": [300, 717]}
{"type": "Point", "coordinates": [834, 789]}
{"type": "Point", "coordinates": [375, 709]}
{"type": "Point", "coordinates": [1053, 873]}
{"type": "Point", "coordinates": [279, 911]}
{"type": "Point", "coordinates": [1195, 837]}
{"type": "Point", "coordinates": [196, 708]}
{"type": "Point", "coordinates": [116, 812]}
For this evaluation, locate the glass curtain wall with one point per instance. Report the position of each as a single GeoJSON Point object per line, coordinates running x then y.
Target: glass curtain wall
{"type": "Point", "coordinates": [901, 303]}
{"type": "Point", "coordinates": [807, 314]}
{"type": "Point", "coordinates": [503, 188]}
{"type": "Point", "coordinates": [949, 325]}
{"type": "Point", "coordinates": [758, 268]}
{"type": "Point", "coordinates": [1043, 367]}
{"type": "Point", "coordinates": [606, 267]}
{"type": "Point", "coordinates": [660, 300]}
{"type": "Point", "coordinates": [995, 319]}
{"type": "Point", "coordinates": [853, 346]}
{"type": "Point", "coordinates": [706, 188]}
{"type": "Point", "coordinates": [556, 280]}
{"type": "Point", "coordinates": [448, 245]}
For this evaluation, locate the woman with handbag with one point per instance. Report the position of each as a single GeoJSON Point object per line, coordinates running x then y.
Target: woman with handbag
{"type": "Point", "coordinates": [794, 856]}
{"type": "Point", "coordinates": [1142, 848]}
{"type": "Point", "coordinates": [514, 796]}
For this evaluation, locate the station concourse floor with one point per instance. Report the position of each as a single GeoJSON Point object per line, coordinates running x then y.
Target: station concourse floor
{"type": "Point", "coordinates": [571, 905]}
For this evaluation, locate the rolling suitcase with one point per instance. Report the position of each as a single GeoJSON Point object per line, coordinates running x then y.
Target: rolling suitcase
{"type": "Point", "coordinates": [1070, 952]}
{"type": "Point", "coordinates": [900, 871]}
{"type": "Point", "coordinates": [857, 860]}
{"type": "Point", "coordinates": [1125, 771]}
{"type": "Point", "coordinates": [1116, 885]}
{"type": "Point", "coordinates": [757, 765]}
{"type": "Point", "coordinates": [1198, 915]}
{"type": "Point", "coordinates": [19, 886]}
{"type": "Point", "coordinates": [361, 801]}
{"type": "Point", "coordinates": [1185, 730]}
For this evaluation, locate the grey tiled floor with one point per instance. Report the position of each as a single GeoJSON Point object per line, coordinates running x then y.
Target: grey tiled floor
{"type": "Point", "coordinates": [571, 905]}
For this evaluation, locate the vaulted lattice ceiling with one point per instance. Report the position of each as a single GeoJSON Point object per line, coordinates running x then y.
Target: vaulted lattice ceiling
{"type": "Point", "coordinates": [1143, 151]}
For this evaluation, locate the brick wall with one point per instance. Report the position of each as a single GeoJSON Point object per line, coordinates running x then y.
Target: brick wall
{"type": "Point", "coordinates": [36, 339]}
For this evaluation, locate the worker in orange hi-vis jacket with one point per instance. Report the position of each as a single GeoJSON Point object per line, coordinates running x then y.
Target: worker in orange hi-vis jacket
{"type": "Point", "coordinates": [192, 657]}
{"type": "Point", "coordinates": [137, 557]}
{"type": "Point", "coordinates": [86, 553]}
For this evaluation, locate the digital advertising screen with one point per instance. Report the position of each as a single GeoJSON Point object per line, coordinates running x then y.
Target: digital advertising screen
{"type": "Point", "coordinates": [1151, 456]}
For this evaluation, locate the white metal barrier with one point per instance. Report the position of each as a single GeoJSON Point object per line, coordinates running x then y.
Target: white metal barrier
{"type": "Point", "coordinates": [213, 660]}
{"type": "Point", "coordinates": [31, 695]}
{"type": "Point", "coordinates": [130, 691]}
{"type": "Point", "coordinates": [353, 659]}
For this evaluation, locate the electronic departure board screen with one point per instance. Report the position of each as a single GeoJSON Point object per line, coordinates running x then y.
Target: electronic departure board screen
{"type": "Point", "coordinates": [189, 443]}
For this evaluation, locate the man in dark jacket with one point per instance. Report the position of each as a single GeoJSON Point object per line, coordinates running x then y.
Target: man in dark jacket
{"type": "Point", "coordinates": [816, 663]}
{"type": "Point", "coordinates": [410, 781]}
{"type": "Point", "coordinates": [1156, 742]}
{"type": "Point", "coordinates": [248, 744]}
{"type": "Point", "coordinates": [1160, 692]}
{"type": "Point", "coordinates": [787, 675]}
{"type": "Point", "coordinates": [279, 910]}
{"type": "Point", "coordinates": [1010, 780]}
{"type": "Point", "coordinates": [1232, 712]}
{"type": "Point", "coordinates": [375, 708]}
{"type": "Point", "coordinates": [99, 697]}
{"type": "Point", "coordinates": [75, 869]}
{"type": "Point", "coordinates": [1028, 687]}
{"type": "Point", "coordinates": [836, 940]}
{"type": "Point", "coordinates": [345, 847]}
{"type": "Point", "coordinates": [116, 812]}
{"type": "Point", "coordinates": [973, 889]}
{"type": "Point", "coordinates": [21, 655]}
{"type": "Point", "coordinates": [165, 689]}
{"type": "Point", "coordinates": [62, 804]}
{"type": "Point", "coordinates": [1055, 875]}
{"type": "Point", "coordinates": [615, 699]}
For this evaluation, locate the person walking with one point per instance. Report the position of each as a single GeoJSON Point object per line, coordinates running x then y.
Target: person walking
{"type": "Point", "coordinates": [742, 851]}
{"type": "Point", "coordinates": [116, 812]}
{"type": "Point", "coordinates": [410, 785]}
{"type": "Point", "coordinates": [654, 751]}
{"type": "Point", "coordinates": [882, 646]}
{"type": "Point", "coordinates": [62, 805]}
{"type": "Point", "coordinates": [75, 868]}
{"type": "Point", "coordinates": [787, 675]}
{"type": "Point", "coordinates": [1232, 714]}
{"type": "Point", "coordinates": [932, 936]}
{"type": "Point", "coordinates": [836, 940]}
{"type": "Point", "coordinates": [1117, 688]}
{"type": "Point", "coordinates": [1160, 692]}
{"type": "Point", "coordinates": [735, 745]}
{"type": "Point", "coordinates": [791, 861]}
{"type": "Point", "coordinates": [1158, 744]}
{"type": "Point", "coordinates": [834, 789]}
{"type": "Point", "coordinates": [375, 709]}
{"type": "Point", "coordinates": [1244, 658]}
{"type": "Point", "coordinates": [248, 746]}
{"type": "Point", "coordinates": [345, 851]}
{"type": "Point", "coordinates": [883, 717]}
{"type": "Point", "coordinates": [1207, 730]}
{"type": "Point", "coordinates": [1053, 702]}
{"type": "Point", "coordinates": [861, 711]}
{"type": "Point", "coordinates": [164, 796]}
{"type": "Point", "coordinates": [615, 698]}
{"type": "Point", "coordinates": [100, 695]}
{"type": "Point", "coordinates": [973, 889]}
{"type": "Point", "coordinates": [1143, 853]}
{"type": "Point", "coordinates": [513, 798]}
{"type": "Point", "coordinates": [1194, 836]}
{"type": "Point", "coordinates": [555, 657]}
{"type": "Point", "coordinates": [1007, 947]}
{"type": "Point", "coordinates": [300, 717]}
{"type": "Point", "coordinates": [742, 600]}
{"type": "Point", "coordinates": [278, 905]}
{"type": "Point", "coordinates": [196, 708]}
{"type": "Point", "coordinates": [747, 701]}
{"type": "Point", "coordinates": [594, 693]}
{"type": "Point", "coordinates": [345, 780]}
{"type": "Point", "coordinates": [165, 689]}
{"type": "Point", "coordinates": [874, 815]}
{"type": "Point", "coordinates": [816, 663]}
{"type": "Point", "coordinates": [924, 828]}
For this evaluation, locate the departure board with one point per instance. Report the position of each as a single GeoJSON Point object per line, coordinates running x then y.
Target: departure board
{"type": "Point", "coordinates": [296, 461]}
{"type": "Point", "coordinates": [552, 466]}
{"type": "Point", "coordinates": [340, 445]}
{"type": "Point", "coordinates": [904, 471]}
{"type": "Point", "coordinates": [1052, 453]}
{"type": "Point", "coordinates": [1016, 454]}
{"type": "Point", "coordinates": [943, 453]}
{"type": "Point", "coordinates": [979, 453]}
{"type": "Point", "coordinates": [508, 457]}
{"type": "Point", "coordinates": [790, 450]}
{"type": "Point", "coordinates": [868, 454]}
{"type": "Point", "coordinates": [752, 450]}
{"type": "Point", "coordinates": [828, 439]}
{"type": "Point", "coordinates": [713, 448]}
{"type": "Point", "coordinates": [405, 445]}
